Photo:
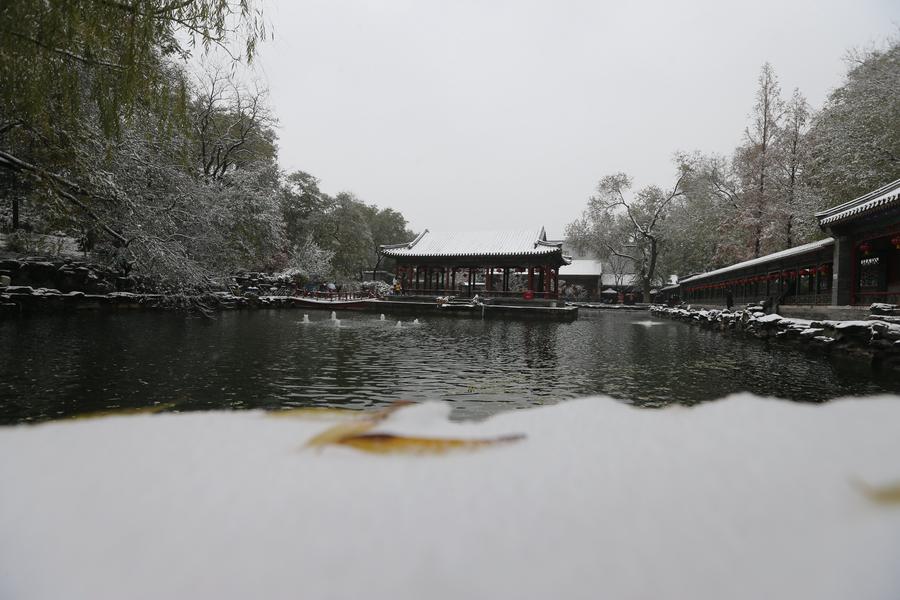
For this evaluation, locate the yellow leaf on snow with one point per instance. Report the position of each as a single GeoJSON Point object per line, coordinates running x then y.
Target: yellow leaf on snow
{"type": "Point", "coordinates": [884, 494]}
{"type": "Point", "coordinates": [358, 434]}
{"type": "Point", "coordinates": [385, 443]}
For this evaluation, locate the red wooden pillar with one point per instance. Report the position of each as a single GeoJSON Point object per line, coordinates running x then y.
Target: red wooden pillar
{"type": "Point", "coordinates": [488, 276]}
{"type": "Point", "coordinates": [546, 280]}
{"type": "Point", "coordinates": [531, 278]}
{"type": "Point", "coordinates": [453, 279]}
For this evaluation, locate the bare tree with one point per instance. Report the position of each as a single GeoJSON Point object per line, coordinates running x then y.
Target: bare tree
{"type": "Point", "coordinates": [794, 197]}
{"type": "Point", "coordinates": [630, 228]}
{"type": "Point", "coordinates": [755, 158]}
{"type": "Point", "coordinates": [232, 123]}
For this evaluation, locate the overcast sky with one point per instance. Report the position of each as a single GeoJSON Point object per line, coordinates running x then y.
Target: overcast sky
{"type": "Point", "coordinates": [503, 115]}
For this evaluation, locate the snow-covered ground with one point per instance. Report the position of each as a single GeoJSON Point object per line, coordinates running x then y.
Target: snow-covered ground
{"type": "Point", "coordinates": [740, 498]}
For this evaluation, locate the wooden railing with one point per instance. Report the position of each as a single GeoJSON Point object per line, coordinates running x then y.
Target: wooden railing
{"type": "Point", "coordinates": [481, 293]}
{"type": "Point", "coordinates": [864, 298]}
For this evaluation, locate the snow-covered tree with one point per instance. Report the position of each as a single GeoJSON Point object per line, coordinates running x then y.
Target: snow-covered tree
{"type": "Point", "coordinates": [855, 138]}
{"type": "Point", "coordinates": [629, 226]}
{"type": "Point", "coordinates": [794, 200]}
{"type": "Point", "coordinates": [754, 160]}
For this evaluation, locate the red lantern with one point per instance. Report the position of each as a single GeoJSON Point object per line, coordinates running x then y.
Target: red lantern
{"type": "Point", "coordinates": [896, 241]}
{"type": "Point", "coordinates": [865, 248]}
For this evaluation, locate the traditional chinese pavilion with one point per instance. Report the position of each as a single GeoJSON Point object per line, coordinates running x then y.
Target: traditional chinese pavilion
{"type": "Point", "coordinates": [490, 263]}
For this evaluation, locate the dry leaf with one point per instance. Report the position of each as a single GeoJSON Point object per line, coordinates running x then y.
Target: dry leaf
{"type": "Point", "coordinates": [357, 434]}
{"type": "Point", "coordinates": [885, 494]}
{"type": "Point", "coordinates": [362, 422]}
{"type": "Point", "coordinates": [385, 443]}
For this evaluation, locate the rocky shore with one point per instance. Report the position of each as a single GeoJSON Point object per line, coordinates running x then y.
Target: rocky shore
{"type": "Point", "coordinates": [39, 285]}
{"type": "Point", "coordinates": [876, 339]}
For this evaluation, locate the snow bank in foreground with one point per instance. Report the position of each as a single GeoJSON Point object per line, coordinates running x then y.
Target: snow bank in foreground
{"type": "Point", "coordinates": [741, 498]}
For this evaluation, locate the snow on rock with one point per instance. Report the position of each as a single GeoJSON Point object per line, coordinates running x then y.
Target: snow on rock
{"type": "Point", "coordinates": [871, 339]}
{"type": "Point", "coordinates": [881, 308]}
{"type": "Point", "coordinates": [740, 498]}
{"type": "Point", "coordinates": [773, 318]}
{"type": "Point", "coordinates": [812, 331]}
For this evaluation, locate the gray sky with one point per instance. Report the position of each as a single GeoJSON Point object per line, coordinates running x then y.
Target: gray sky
{"type": "Point", "coordinates": [504, 114]}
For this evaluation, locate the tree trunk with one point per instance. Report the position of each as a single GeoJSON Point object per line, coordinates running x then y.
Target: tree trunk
{"type": "Point", "coordinates": [15, 214]}
{"type": "Point", "coordinates": [790, 231]}
{"type": "Point", "coordinates": [651, 270]}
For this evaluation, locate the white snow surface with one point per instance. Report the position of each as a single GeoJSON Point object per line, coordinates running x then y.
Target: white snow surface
{"type": "Point", "coordinates": [740, 498]}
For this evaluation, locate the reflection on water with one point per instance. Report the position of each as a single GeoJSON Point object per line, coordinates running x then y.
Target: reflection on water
{"type": "Point", "coordinates": [58, 366]}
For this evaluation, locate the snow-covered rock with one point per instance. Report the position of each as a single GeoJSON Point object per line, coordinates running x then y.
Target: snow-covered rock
{"type": "Point", "coordinates": [881, 308]}
{"type": "Point", "coordinates": [773, 318]}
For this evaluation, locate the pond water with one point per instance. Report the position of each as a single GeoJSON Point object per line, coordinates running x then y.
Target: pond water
{"type": "Point", "coordinates": [56, 366]}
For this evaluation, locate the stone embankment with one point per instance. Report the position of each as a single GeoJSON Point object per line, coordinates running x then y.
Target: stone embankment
{"type": "Point", "coordinates": [876, 339]}
{"type": "Point", "coordinates": [39, 285]}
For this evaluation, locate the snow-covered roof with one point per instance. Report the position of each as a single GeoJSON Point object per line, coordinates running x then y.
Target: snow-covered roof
{"type": "Point", "coordinates": [876, 200]}
{"type": "Point", "coordinates": [475, 243]}
{"type": "Point", "coordinates": [764, 259]}
{"type": "Point", "coordinates": [582, 267]}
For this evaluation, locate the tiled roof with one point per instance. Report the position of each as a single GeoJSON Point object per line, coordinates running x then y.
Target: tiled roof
{"type": "Point", "coordinates": [762, 260]}
{"type": "Point", "coordinates": [582, 267]}
{"type": "Point", "coordinates": [879, 199]}
{"type": "Point", "coordinates": [475, 243]}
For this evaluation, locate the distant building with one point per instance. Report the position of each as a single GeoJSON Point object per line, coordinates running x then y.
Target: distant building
{"type": "Point", "coordinates": [601, 279]}
{"type": "Point", "coordinates": [490, 263]}
{"type": "Point", "coordinates": [857, 266]}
